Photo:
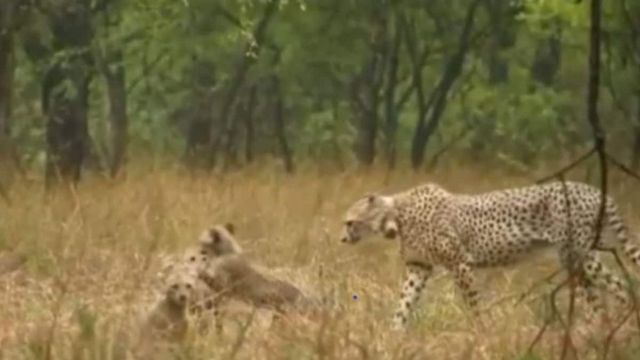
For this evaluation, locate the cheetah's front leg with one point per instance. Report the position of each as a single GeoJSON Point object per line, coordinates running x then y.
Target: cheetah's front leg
{"type": "Point", "coordinates": [417, 275]}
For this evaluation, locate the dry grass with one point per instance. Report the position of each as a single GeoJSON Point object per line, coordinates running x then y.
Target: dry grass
{"type": "Point", "coordinates": [92, 255]}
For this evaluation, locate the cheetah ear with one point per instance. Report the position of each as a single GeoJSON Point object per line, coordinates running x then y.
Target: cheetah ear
{"type": "Point", "coordinates": [230, 228]}
{"type": "Point", "coordinates": [215, 237]}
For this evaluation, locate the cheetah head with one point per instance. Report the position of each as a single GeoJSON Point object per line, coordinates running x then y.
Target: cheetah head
{"type": "Point", "coordinates": [219, 240]}
{"type": "Point", "coordinates": [180, 289]}
{"type": "Point", "coordinates": [371, 214]}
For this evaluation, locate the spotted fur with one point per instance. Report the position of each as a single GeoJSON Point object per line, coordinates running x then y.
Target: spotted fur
{"type": "Point", "coordinates": [462, 232]}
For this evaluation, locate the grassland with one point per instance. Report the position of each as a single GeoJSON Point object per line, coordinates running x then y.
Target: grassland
{"type": "Point", "coordinates": [92, 254]}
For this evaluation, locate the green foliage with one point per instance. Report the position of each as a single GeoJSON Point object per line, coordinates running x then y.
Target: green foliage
{"type": "Point", "coordinates": [321, 49]}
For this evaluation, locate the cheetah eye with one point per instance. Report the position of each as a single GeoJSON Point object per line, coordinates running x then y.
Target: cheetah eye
{"type": "Point", "coordinates": [349, 223]}
{"type": "Point", "coordinates": [189, 286]}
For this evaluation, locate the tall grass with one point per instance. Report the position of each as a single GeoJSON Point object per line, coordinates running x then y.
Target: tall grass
{"type": "Point", "coordinates": [92, 255]}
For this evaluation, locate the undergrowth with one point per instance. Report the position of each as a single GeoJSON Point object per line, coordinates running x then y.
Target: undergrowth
{"type": "Point", "coordinates": [91, 255]}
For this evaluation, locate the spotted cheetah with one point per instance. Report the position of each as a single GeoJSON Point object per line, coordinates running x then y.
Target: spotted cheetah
{"type": "Point", "coordinates": [461, 232]}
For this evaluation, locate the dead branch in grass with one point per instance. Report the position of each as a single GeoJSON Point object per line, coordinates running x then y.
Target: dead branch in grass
{"type": "Point", "coordinates": [547, 279]}
{"type": "Point", "coordinates": [562, 171]}
{"type": "Point", "coordinates": [242, 335]}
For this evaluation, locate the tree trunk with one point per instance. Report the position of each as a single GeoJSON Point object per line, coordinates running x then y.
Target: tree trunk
{"type": "Point", "coordinates": [502, 37]}
{"type": "Point", "coordinates": [280, 129]}
{"type": "Point", "coordinates": [197, 114]}
{"type": "Point", "coordinates": [248, 125]}
{"type": "Point", "coordinates": [8, 155]}
{"type": "Point", "coordinates": [6, 66]}
{"type": "Point", "coordinates": [366, 92]}
{"type": "Point", "coordinates": [546, 61]}
{"type": "Point", "coordinates": [65, 93]}
{"type": "Point", "coordinates": [114, 74]}
{"type": "Point", "coordinates": [248, 57]}
{"type": "Point", "coordinates": [410, 39]}
{"type": "Point", "coordinates": [231, 158]}
{"type": "Point", "coordinates": [425, 129]}
{"type": "Point", "coordinates": [368, 115]}
{"type": "Point", "coordinates": [391, 112]}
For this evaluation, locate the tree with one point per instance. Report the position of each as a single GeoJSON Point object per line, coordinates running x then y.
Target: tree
{"type": "Point", "coordinates": [430, 110]}
{"type": "Point", "coordinates": [110, 61]}
{"type": "Point", "coordinates": [65, 90]}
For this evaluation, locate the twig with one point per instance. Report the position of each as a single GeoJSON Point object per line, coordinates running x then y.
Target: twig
{"type": "Point", "coordinates": [599, 147]}
{"type": "Point", "coordinates": [567, 167]}
{"type": "Point", "coordinates": [610, 336]}
{"type": "Point", "coordinates": [574, 270]}
{"type": "Point", "coordinates": [554, 313]}
{"type": "Point", "coordinates": [625, 169]}
{"type": "Point", "coordinates": [535, 285]}
{"type": "Point", "coordinates": [567, 343]}
{"type": "Point", "coordinates": [447, 145]}
{"type": "Point", "coordinates": [242, 335]}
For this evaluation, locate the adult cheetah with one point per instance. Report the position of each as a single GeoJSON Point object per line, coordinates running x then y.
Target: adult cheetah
{"type": "Point", "coordinates": [461, 232]}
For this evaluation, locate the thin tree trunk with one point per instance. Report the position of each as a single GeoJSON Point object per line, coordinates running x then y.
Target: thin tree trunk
{"type": "Point", "coordinates": [248, 124]}
{"type": "Point", "coordinates": [248, 57]}
{"type": "Point", "coordinates": [502, 37]}
{"type": "Point", "coordinates": [114, 74]}
{"type": "Point", "coordinates": [231, 139]}
{"type": "Point", "coordinates": [366, 90]}
{"type": "Point", "coordinates": [368, 127]}
{"type": "Point", "coordinates": [6, 66]}
{"type": "Point", "coordinates": [337, 153]}
{"type": "Point", "coordinates": [112, 68]}
{"type": "Point", "coordinates": [8, 154]}
{"type": "Point", "coordinates": [197, 114]}
{"type": "Point", "coordinates": [391, 112]}
{"type": "Point", "coordinates": [422, 104]}
{"type": "Point", "coordinates": [546, 61]}
{"type": "Point", "coordinates": [65, 94]}
{"type": "Point", "coordinates": [280, 129]}
{"type": "Point", "coordinates": [424, 129]}
{"type": "Point", "coordinates": [12, 16]}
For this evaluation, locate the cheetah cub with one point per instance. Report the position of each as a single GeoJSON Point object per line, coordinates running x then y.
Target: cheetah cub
{"type": "Point", "coordinates": [218, 241]}
{"type": "Point", "coordinates": [230, 275]}
{"type": "Point", "coordinates": [168, 318]}
{"type": "Point", "coordinates": [213, 242]}
{"type": "Point", "coordinates": [233, 277]}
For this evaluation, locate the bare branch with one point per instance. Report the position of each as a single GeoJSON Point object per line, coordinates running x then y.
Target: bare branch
{"type": "Point", "coordinates": [625, 169]}
{"type": "Point", "coordinates": [568, 167]}
{"type": "Point", "coordinates": [227, 15]}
